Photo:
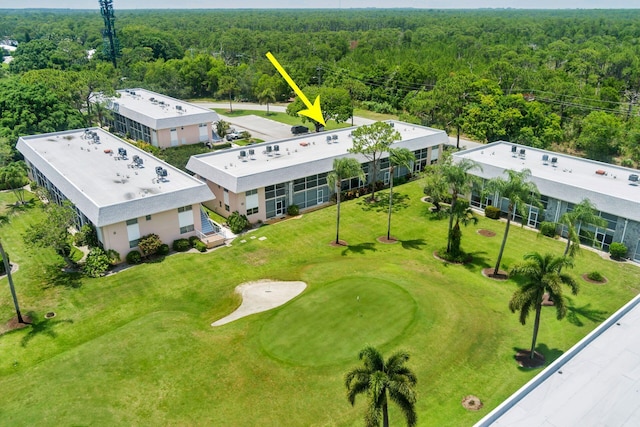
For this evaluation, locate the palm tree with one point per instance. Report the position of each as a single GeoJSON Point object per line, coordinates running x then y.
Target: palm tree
{"type": "Point", "coordinates": [5, 259]}
{"type": "Point", "coordinates": [343, 168]}
{"type": "Point", "coordinates": [520, 192]}
{"type": "Point", "coordinates": [542, 273]}
{"type": "Point", "coordinates": [458, 181]}
{"type": "Point", "coordinates": [14, 177]}
{"type": "Point", "coordinates": [584, 213]}
{"type": "Point", "coordinates": [462, 214]}
{"type": "Point", "coordinates": [267, 96]}
{"type": "Point", "coordinates": [397, 157]}
{"type": "Point", "coordinates": [383, 380]}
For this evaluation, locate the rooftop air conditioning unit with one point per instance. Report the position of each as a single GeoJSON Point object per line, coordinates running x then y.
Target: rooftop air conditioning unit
{"type": "Point", "coordinates": [545, 158]}
{"type": "Point", "coordinates": [554, 160]}
{"type": "Point", "coordinates": [334, 137]}
{"type": "Point", "coordinates": [276, 148]}
{"type": "Point", "coordinates": [633, 177]}
{"type": "Point", "coordinates": [522, 151]}
{"type": "Point", "coordinates": [514, 149]}
{"type": "Point", "coordinates": [269, 148]}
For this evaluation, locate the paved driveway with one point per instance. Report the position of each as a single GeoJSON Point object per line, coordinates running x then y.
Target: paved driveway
{"type": "Point", "coordinates": [259, 127]}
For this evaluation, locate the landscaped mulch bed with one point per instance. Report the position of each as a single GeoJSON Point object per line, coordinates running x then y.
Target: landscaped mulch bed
{"type": "Point", "coordinates": [14, 324]}
{"type": "Point", "coordinates": [383, 239]}
{"type": "Point", "coordinates": [437, 256]}
{"type": "Point", "coordinates": [486, 233]}
{"type": "Point", "coordinates": [472, 403]}
{"type": "Point", "coordinates": [525, 361]}
{"type": "Point", "coordinates": [341, 243]}
{"type": "Point", "coordinates": [488, 272]}
{"type": "Point", "coordinates": [585, 277]}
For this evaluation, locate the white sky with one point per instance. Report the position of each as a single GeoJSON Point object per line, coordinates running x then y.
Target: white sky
{"type": "Point", "coordinates": [331, 4]}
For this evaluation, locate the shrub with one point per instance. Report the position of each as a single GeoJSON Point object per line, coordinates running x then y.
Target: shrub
{"type": "Point", "coordinates": [200, 245]}
{"type": "Point", "coordinates": [293, 210]}
{"type": "Point", "coordinates": [86, 236]}
{"type": "Point", "coordinates": [163, 249]}
{"type": "Point", "coordinates": [595, 276]}
{"type": "Point", "coordinates": [548, 229]}
{"type": "Point", "coordinates": [149, 244]}
{"type": "Point", "coordinates": [3, 270]}
{"type": "Point", "coordinates": [181, 245]}
{"type": "Point", "coordinates": [492, 212]}
{"type": "Point", "coordinates": [114, 256]}
{"type": "Point", "coordinates": [97, 263]}
{"type": "Point", "coordinates": [222, 146]}
{"type": "Point", "coordinates": [133, 257]}
{"type": "Point", "coordinates": [618, 250]}
{"type": "Point", "coordinates": [237, 223]}
{"type": "Point", "coordinates": [628, 163]}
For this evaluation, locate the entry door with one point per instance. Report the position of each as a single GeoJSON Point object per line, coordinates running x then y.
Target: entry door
{"type": "Point", "coordinates": [174, 137]}
{"type": "Point", "coordinates": [386, 178]}
{"type": "Point", "coordinates": [280, 207]}
{"type": "Point", "coordinates": [320, 195]}
{"type": "Point", "coordinates": [533, 217]}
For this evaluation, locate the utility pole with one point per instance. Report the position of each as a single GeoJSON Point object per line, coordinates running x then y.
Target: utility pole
{"type": "Point", "coordinates": [13, 290]}
{"type": "Point", "coordinates": [111, 45]}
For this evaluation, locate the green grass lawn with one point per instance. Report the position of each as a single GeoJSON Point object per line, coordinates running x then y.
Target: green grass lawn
{"type": "Point", "coordinates": [137, 347]}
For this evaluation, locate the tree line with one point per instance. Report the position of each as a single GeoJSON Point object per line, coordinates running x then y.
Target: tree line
{"type": "Point", "coordinates": [567, 80]}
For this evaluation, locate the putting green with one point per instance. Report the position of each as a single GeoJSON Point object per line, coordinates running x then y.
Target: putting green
{"type": "Point", "coordinates": [332, 323]}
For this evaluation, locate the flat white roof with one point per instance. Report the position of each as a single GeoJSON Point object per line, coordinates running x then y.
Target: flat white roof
{"type": "Point", "coordinates": [105, 188]}
{"type": "Point", "coordinates": [569, 178]}
{"type": "Point", "coordinates": [295, 157]}
{"type": "Point", "coordinates": [595, 383]}
{"type": "Point", "coordinates": [159, 111]}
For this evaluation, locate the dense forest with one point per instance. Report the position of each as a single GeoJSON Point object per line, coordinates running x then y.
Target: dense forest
{"type": "Point", "coordinates": [567, 80]}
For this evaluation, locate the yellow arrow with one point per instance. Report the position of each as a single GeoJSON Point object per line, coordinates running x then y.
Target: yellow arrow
{"type": "Point", "coordinates": [313, 111]}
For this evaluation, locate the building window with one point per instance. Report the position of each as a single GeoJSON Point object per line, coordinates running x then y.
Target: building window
{"type": "Point", "coordinates": [185, 219]}
{"type": "Point", "coordinates": [186, 229]}
{"type": "Point", "coordinates": [133, 232]}
{"type": "Point", "coordinates": [148, 217]}
{"type": "Point", "coordinates": [226, 200]}
{"type": "Point", "coordinates": [251, 202]}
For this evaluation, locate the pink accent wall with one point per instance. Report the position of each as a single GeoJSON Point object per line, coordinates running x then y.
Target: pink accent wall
{"type": "Point", "coordinates": [190, 134]}
{"type": "Point", "coordinates": [237, 202]}
{"type": "Point", "coordinates": [164, 224]}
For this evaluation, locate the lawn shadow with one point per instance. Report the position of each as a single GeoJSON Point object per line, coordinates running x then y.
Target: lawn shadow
{"type": "Point", "coordinates": [359, 249]}
{"type": "Point", "coordinates": [477, 260]}
{"type": "Point", "coordinates": [400, 202]}
{"type": "Point", "coordinates": [54, 275]}
{"type": "Point", "coordinates": [41, 327]}
{"type": "Point", "coordinates": [574, 314]}
{"type": "Point", "coordinates": [413, 244]}
{"type": "Point", "coordinates": [550, 355]}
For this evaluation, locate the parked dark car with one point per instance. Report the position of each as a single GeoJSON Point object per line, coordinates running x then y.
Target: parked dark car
{"type": "Point", "coordinates": [296, 130]}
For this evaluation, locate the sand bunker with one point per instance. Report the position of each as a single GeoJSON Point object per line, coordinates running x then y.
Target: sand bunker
{"type": "Point", "coordinates": [262, 296]}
